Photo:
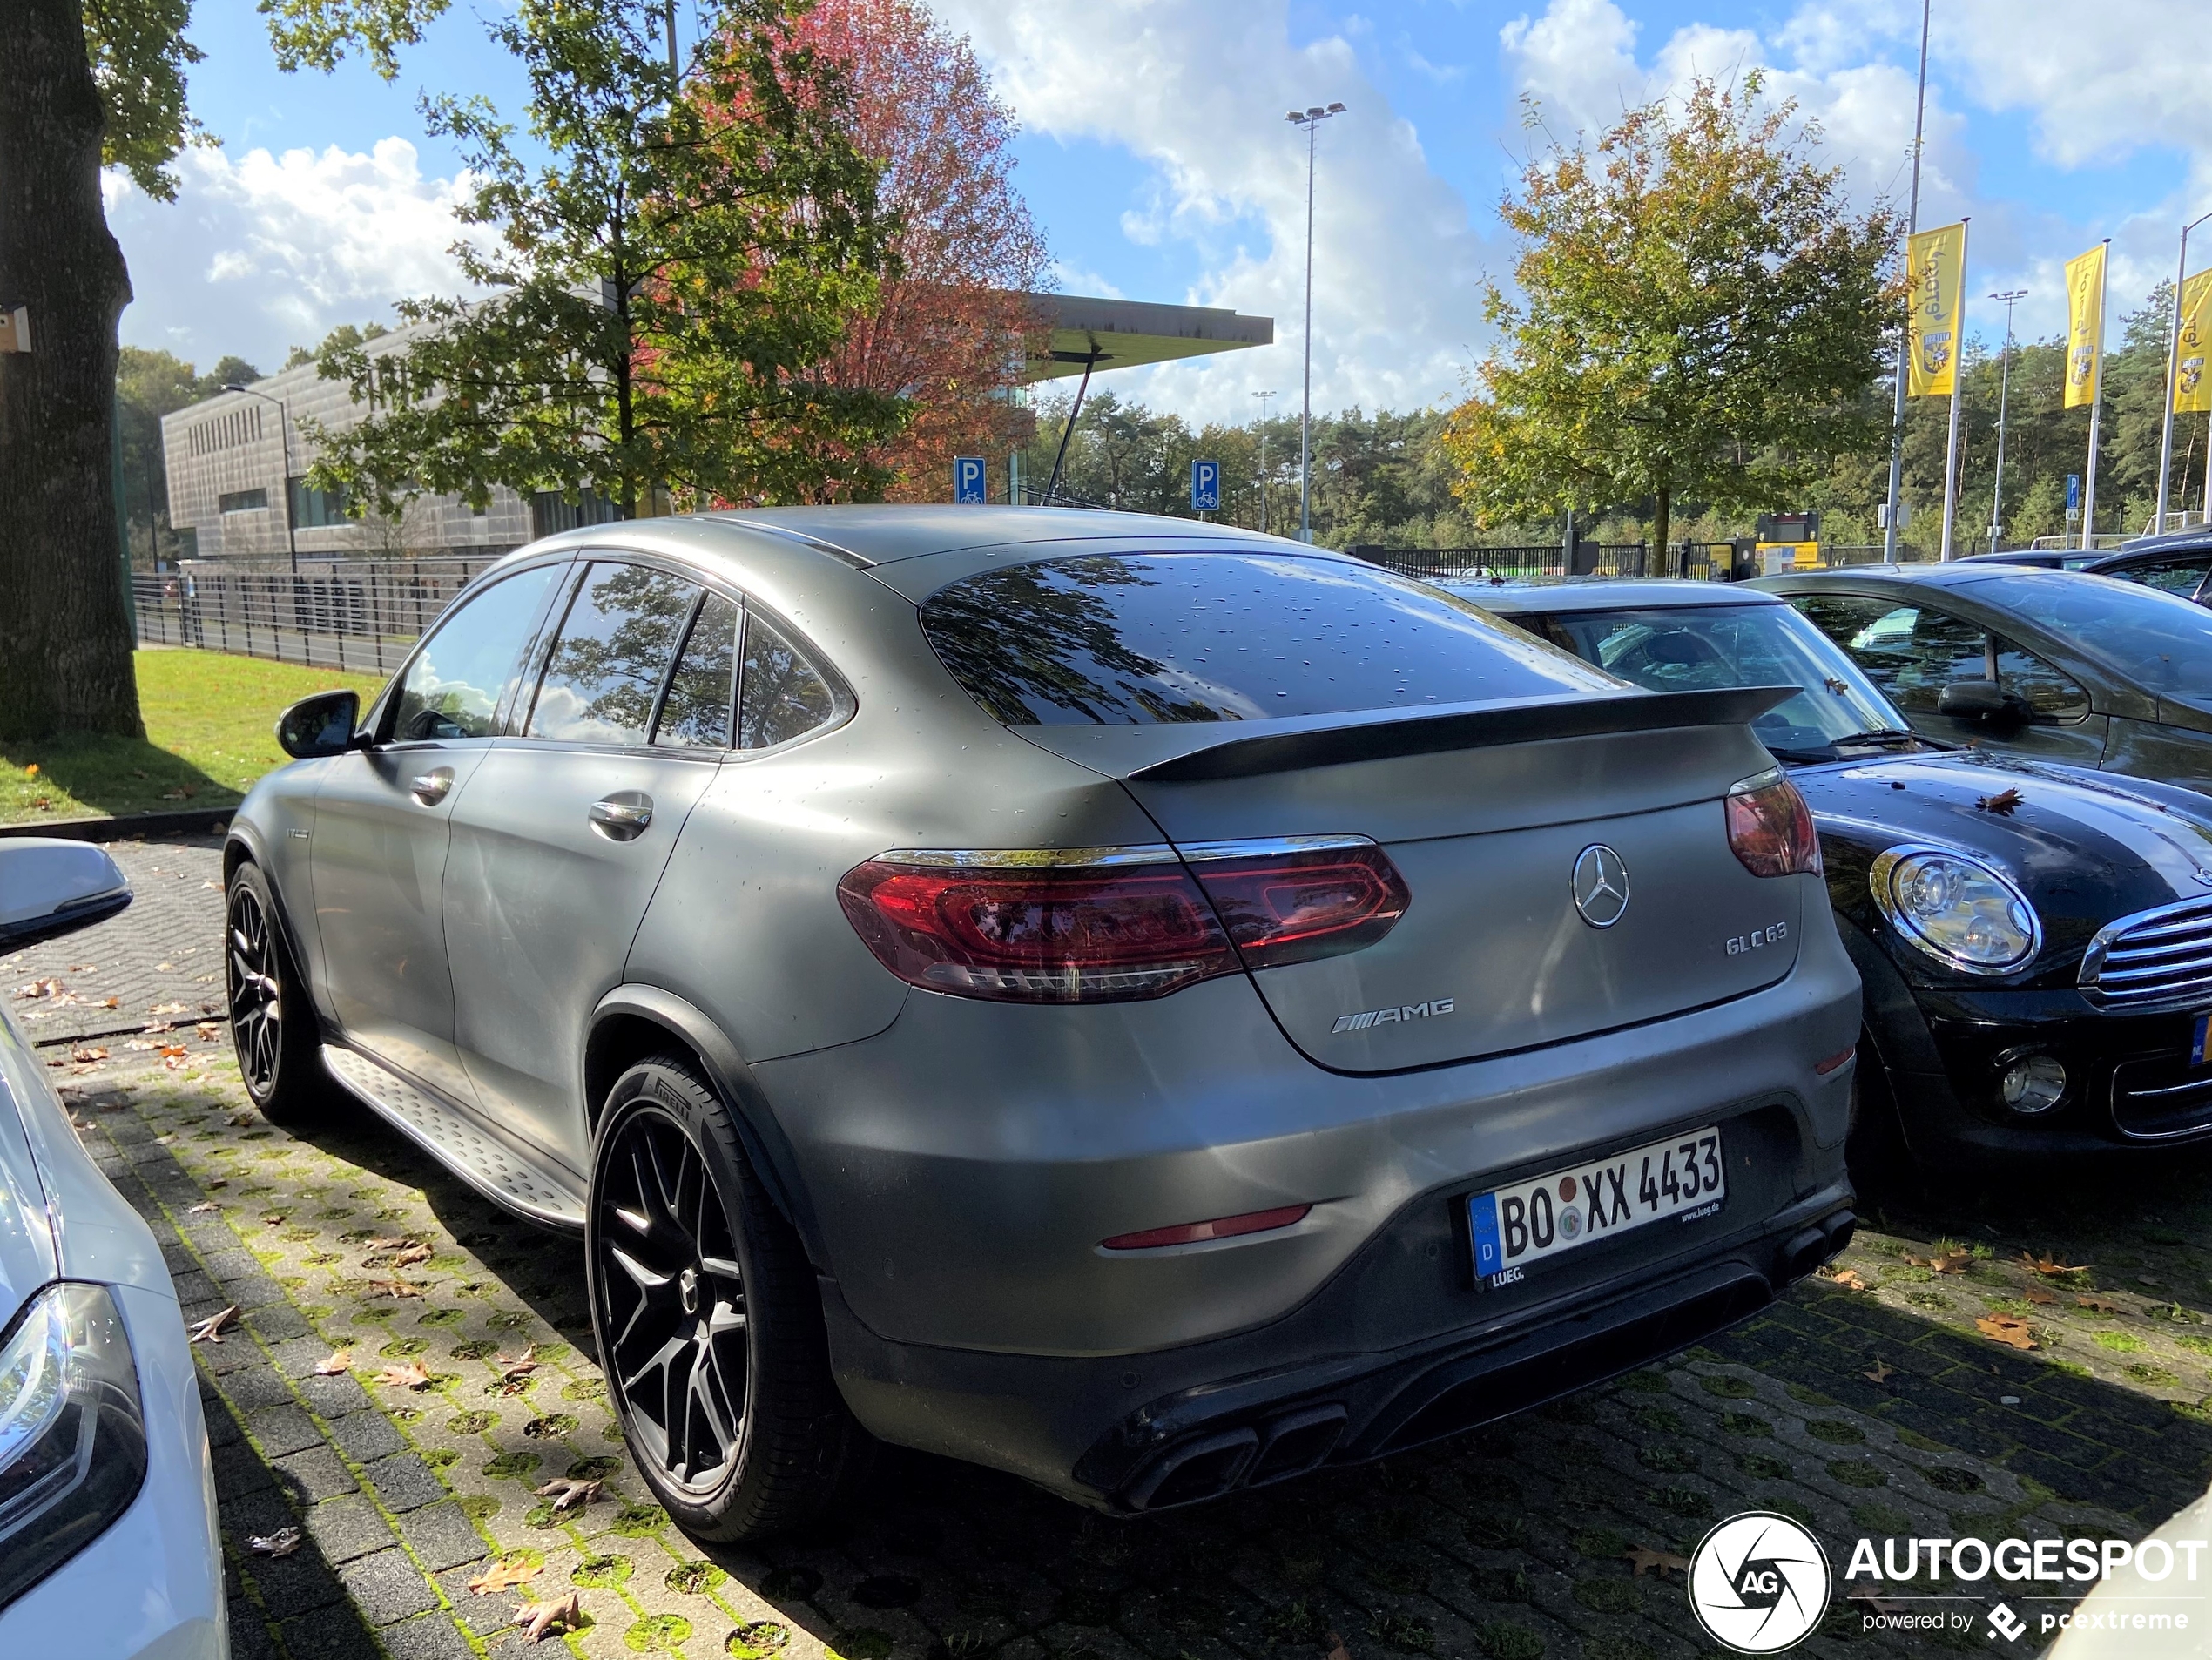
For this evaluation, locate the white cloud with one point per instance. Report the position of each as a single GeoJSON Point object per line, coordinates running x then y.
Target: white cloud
{"type": "Point", "coordinates": [1199, 92]}
{"type": "Point", "coordinates": [261, 252]}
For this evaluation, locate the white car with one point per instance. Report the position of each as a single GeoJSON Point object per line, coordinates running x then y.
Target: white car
{"type": "Point", "coordinates": [108, 1535]}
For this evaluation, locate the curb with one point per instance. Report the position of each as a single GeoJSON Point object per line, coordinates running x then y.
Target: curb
{"type": "Point", "coordinates": [206, 821]}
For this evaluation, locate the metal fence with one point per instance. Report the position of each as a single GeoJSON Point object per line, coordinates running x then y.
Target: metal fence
{"type": "Point", "coordinates": [1542, 559]}
{"type": "Point", "coordinates": [361, 615]}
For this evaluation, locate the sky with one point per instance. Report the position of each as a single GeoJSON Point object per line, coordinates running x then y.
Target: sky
{"type": "Point", "coordinates": [1155, 155]}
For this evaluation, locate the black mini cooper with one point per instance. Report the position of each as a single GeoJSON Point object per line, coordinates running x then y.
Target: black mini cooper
{"type": "Point", "coordinates": [2035, 939]}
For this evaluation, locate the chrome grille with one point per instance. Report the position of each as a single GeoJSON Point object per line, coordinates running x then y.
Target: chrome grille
{"type": "Point", "coordinates": [2152, 960]}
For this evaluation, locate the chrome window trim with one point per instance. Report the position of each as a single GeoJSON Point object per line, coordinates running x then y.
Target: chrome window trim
{"type": "Point", "coordinates": [1877, 879]}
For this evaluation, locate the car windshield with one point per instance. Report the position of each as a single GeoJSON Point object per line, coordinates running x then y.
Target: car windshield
{"type": "Point", "coordinates": [1694, 648]}
{"type": "Point", "coordinates": [1144, 639]}
{"type": "Point", "coordinates": [2160, 641]}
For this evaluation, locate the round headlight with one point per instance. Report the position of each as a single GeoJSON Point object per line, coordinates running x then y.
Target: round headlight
{"type": "Point", "coordinates": [1957, 910]}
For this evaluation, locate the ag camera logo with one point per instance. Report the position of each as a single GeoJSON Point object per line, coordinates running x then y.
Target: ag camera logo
{"type": "Point", "coordinates": [1758, 1582]}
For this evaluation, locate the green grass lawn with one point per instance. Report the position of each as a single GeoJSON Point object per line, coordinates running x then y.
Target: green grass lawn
{"type": "Point", "coordinates": [210, 731]}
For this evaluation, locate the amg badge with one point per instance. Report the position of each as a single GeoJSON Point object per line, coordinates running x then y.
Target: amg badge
{"type": "Point", "coordinates": [1384, 1017]}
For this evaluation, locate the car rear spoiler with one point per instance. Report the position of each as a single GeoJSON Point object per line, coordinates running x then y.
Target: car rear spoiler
{"type": "Point", "coordinates": [1385, 734]}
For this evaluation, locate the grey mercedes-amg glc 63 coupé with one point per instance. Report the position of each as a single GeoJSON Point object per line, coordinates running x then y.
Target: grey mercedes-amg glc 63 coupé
{"type": "Point", "coordinates": [1148, 1007]}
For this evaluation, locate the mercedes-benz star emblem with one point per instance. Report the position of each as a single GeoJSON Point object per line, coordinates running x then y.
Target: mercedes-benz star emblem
{"type": "Point", "coordinates": [1600, 886]}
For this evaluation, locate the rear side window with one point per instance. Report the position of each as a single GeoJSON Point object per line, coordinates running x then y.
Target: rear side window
{"type": "Point", "coordinates": [454, 686]}
{"type": "Point", "coordinates": [696, 713]}
{"type": "Point", "coordinates": [614, 649]}
{"type": "Point", "coordinates": [1139, 639]}
{"type": "Point", "coordinates": [782, 695]}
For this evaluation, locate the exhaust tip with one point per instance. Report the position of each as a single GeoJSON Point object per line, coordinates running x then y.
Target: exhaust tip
{"type": "Point", "coordinates": [1194, 1471]}
{"type": "Point", "coordinates": [1296, 1443]}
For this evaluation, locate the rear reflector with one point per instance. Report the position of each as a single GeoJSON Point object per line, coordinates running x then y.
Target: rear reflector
{"type": "Point", "coordinates": [1227, 1227]}
{"type": "Point", "coordinates": [1108, 925]}
{"type": "Point", "coordinates": [1770, 828]}
{"type": "Point", "coordinates": [1824, 1068]}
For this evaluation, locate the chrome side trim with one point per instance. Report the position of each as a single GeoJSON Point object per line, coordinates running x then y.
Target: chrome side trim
{"type": "Point", "coordinates": [1260, 847]}
{"type": "Point", "coordinates": [1877, 879]}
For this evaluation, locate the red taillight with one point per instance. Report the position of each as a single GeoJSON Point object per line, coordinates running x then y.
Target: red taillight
{"type": "Point", "coordinates": [1293, 904]}
{"type": "Point", "coordinates": [1109, 925]}
{"type": "Point", "coordinates": [1227, 1227]}
{"type": "Point", "coordinates": [1770, 828]}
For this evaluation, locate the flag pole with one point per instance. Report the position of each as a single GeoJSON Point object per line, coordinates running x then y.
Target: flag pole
{"type": "Point", "coordinates": [2173, 385]}
{"type": "Point", "coordinates": [1958, 385]}
{"type": "Point", "coordinates": [1904, 337]}
{"type": "Point", "coordinates": [2097, 407]}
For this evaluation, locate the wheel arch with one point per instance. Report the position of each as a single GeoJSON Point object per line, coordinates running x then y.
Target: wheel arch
{"type": "Point", "coordinates": [242, 847]}
{"type": "Point", "coordinates": [634, 1022]}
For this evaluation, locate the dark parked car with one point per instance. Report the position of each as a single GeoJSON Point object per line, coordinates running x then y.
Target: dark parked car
{"type": "Point", "coordinates": [1148, 1007]}
{"type": "Point", "coordinates": [2040, 558]}
{"type": "Point", "coordinates": [2180, 563]}
{"type": "Point", "coordinates": [2038, 965]}
{"type": "Point", "coordinates": [2058, 665]}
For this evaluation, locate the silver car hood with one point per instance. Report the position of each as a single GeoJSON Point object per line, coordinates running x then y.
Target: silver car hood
{"type": "Point", "coordinates": [28, 1254]}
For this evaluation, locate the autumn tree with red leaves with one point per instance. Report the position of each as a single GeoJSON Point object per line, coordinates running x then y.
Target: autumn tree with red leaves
{"type": "Point", "coordinates": [946, 334]}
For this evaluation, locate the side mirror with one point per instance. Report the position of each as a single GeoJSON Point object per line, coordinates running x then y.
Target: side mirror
{"type": "Point", "coordinates": [1973, 700]}
{"type": "Point", "coordinates": [50, 887]}
{"type": "Point", "coordinates": [322, 725]}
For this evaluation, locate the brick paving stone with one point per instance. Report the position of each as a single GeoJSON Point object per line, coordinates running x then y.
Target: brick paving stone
{"type": "Point", "coordinates": [404, 1482]}
{"type": "Point", "coordinates": [365, 1436]}
{"type": "Point", "coordinates": [427, 1636]}
{"type": "Point", "coordinates": [281, 1430]}
{"type": "Point", "coordinates": [347, 1526]}
{"type": "Point", "coordinates": [442, 1536]}
{"type": "Point", "coordinates": [314, 1474]}
{"type": "Point", "coordinates": [387, 1585]}
{"type": "Point", "coordinates": [324, 1638]}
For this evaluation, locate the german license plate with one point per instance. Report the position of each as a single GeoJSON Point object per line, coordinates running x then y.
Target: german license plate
{"type": "Point", "coordinates": [2201, 1041]}
{"type": "Point", "coordinates": [1683, 1177]}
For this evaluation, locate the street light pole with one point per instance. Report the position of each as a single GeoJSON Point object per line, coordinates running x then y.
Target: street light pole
{"type": "Point", "coordinates": [284, 436]}
{"type": "Point", "coordinates": [1310, 119]}
{"type": "Point", "coordinates": [2004, 389]}
{"type": "Point", "coordinates": [2173, 370]}
{"type": "Point", "coordinates": [1263, 397]}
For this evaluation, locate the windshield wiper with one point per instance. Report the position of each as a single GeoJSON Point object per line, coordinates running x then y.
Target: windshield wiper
{"type": "Point", "coordinates": [1881, 735]}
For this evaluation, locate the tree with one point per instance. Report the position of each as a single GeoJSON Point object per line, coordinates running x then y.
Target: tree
{"type": "Point", "coordinates": [665, 282]}
{"type": "Point", "coordinates": [947, 334]}
{"type": "Point", "coordinates": [1699, 315]}
{"type": "Point", "coordinates": [89, 84]}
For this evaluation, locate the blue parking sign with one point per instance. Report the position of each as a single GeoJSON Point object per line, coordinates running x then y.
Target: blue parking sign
{"type": "Point", "coordinates": [968, 479]}
{"type": "Point", "coordinates": [1205, 487]}
{"type": "Point", "coordinates": [2074, 492]}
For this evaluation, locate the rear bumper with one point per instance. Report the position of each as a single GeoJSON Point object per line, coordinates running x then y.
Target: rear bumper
{"type": "Point", "coordinates": [1266, 1406]}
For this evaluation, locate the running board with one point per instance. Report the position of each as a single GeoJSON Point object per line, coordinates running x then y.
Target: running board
{"type": "Point", "coordinates": [495, 1166]}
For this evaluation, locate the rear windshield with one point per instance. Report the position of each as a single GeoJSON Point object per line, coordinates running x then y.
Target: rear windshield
{"type": "Point", "coordinates": [2162, 642]}
{"type": "Point", "coordinates": [1140, 640]}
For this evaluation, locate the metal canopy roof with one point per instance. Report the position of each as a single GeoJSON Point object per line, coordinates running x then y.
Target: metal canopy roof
{"type": "Point", "coordinates": [1122, 333]}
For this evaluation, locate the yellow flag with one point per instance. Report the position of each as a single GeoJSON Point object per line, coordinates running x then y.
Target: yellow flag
{"type": "Point", "coordinates": [2084, 335]}
{"type": "Point", "coordinates": [2191, 389]}
{"type": "Point", "coordinates": [1936, 259]}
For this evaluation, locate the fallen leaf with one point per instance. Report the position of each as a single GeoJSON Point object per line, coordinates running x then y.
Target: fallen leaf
{"type": "Point", "coordinates": [1337, 1650]}
{"type": "Point", "coordinates": [273, 1218]}
{"type": "Point", "coordinates": [240, 1120]}
{"type": "Point", "coordinates": [402, 1243]}
{"type": "Point", "coordinates": [112, 1002]}
{"type": "Point", "coordinates": [2042, 1298]}
{"type": "Point", "coordinates": [335, 1363]}
{"type": "Point", "coordinates": [2003, 802]}
{"type": "Point", "coordinates": [505, 1576]}
{"type": "Point", "coordinates": [1847, 1278]}
{"type": "Point", "coordinates": [203, 1208]}
{"type": "Point", "coordinates": [1883, 1372]}
{"type": "Point", "coordinates": [408, 1256]}
{"type": "Point", "coordinates": [543, 1619]}
{"type": "Point", "coordinates": [2006, 1328]}
{"type": "Point", "coordinates": [282, 1542]}
{"type": "Point", "coordinates": [1953, 1261]}
{"type": "Point", "coordinates": [85, 1057]}
{"type": "Point", "coordinates": [1659, 1561]}
{"type": "Point", "coordinates": [31, 771]}
{"type": "Point", "coordinates": [208, 1031]}
{"type": "Point", "coordinates": [210, 1330]}
{"type": "Point", "coordinates": [2102, 1305]}
{"type": "Point", "coordinates": [411, 1375]}
{"type": "Point", "coordinates": [2051, 1267]}
{"type": "Point", "coordinates": [394, 1288]}
{"type": "Point", "coordinates": [567, 1491]}
{"type": "Point", "coordinates": [518, 1366]}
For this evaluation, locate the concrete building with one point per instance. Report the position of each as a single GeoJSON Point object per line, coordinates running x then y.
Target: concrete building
{"type": "Point", "coordinates": [237, 462]}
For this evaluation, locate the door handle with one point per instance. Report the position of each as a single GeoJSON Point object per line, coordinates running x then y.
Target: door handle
{"type": "Point", "coordinates": [432, 786]}
{"type": "Point", "coordinates": [621, 816]}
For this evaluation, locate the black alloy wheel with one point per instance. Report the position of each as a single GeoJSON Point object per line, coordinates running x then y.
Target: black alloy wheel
{"type": "Point", "coordinates": [708, 1317]}
{"type": "Point", "coordinates": [273, 1021]}
{"type": "Point", "coordinates": [676, 1347]}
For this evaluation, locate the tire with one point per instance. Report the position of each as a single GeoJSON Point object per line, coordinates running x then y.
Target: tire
{"type": "Point", "coordinates": [272, 1019]}
{"type": "Point", "coordinates": [707, 1318]}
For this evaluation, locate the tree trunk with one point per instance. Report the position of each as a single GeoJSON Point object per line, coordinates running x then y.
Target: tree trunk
{"type": "Point", "coordinates": [1661, 520]}
{"type": "Point", "coordinates": [64, 637]}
